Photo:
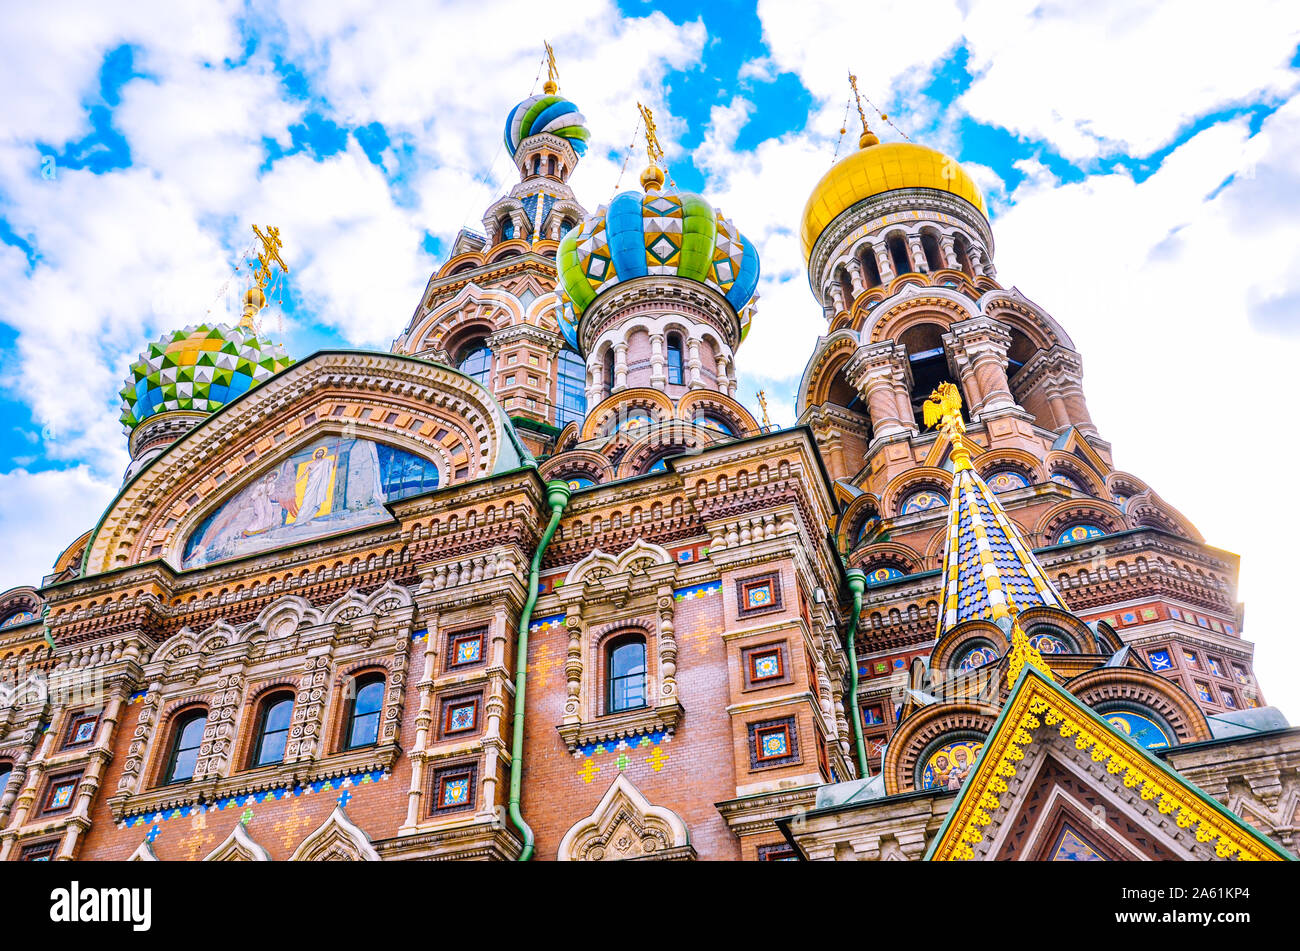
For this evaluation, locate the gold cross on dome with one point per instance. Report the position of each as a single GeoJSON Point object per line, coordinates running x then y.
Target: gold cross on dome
{"type": "Point", "coordinates": [853, 81]}
{"type": "Point", "coordinates": [552, 71]}
{"type": "Point", "coordinates": [762, 401]}
{"type": "Point", "coordinates": [653, 150]}
{"type": "Point", "coordinates": [270, 255]}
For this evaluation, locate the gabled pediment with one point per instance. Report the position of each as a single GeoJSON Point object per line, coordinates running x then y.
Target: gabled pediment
{"type": "Point", "coordinates": [1055, 780]}
{"type": "Point", "coordinates": [625, 825]}
{"type": "Point", "coordinates": [338, 839]}
{"type": "Point", "coordinates": [239, 847]}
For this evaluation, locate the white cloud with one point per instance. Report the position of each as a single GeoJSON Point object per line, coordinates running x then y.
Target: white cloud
{"type": "Point", "coordinates": [69, 502]}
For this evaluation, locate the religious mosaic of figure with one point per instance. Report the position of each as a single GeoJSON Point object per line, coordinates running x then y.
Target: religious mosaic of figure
{"type": "Point", "coordinates": [1141, 730]}
{"type": "Point", "coordinates": [336, 483]}
{"type": "Point", "coordinates": [950, 766]}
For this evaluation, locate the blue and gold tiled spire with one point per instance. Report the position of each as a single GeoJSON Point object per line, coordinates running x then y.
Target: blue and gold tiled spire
{"type": "Point", "coordinates": [989, 572]}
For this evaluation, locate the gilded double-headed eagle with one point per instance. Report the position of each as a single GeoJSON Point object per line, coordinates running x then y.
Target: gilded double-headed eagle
{"type": "Point", "coordinates": [944, 404]}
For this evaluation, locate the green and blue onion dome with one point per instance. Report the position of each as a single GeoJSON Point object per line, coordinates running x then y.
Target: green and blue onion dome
{"type": "Point", "coordinates": [658, 232]}
{"type": "Point", "coordinates": [549, 113]}
{"type": "Point", "coordinates": [198, 369]}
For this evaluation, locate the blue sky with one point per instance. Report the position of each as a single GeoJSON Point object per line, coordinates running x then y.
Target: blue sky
{"type": "Point", "coordinates": [1141, 167]}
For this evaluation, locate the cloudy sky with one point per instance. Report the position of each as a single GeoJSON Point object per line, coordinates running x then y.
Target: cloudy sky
{"type": "Point", "coordinates": [1142, 162]}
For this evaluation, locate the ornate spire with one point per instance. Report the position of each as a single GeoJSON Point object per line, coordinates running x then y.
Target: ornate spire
{"type": "Point", "coordinates": [652, 178]}
{"type": "Point", "coordinates": [552, 85]}
{"type": "Point", "coordinates": [987, 566]}
{"type": "Point", "coordinates": [868, 138]}
{"type": "Point", "coordinates": [1023, 651]}
{"type": "Point", "coordinates": [255, 296]}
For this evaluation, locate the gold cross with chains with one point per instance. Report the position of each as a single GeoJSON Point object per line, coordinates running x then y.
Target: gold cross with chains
{"type": "Point", "coordinates": [270, 255]}
{"type": "Point", "coordinates": [552, 71]}
{"type": "Point", "coordinates": [653, 150]}
{"type": "Point", "coordinates": [853, 81]}
{"type": "Point", "coordinates": [762, 401]}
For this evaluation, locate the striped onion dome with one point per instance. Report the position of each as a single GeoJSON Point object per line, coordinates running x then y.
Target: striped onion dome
{"type": "Point", "coordinates": [546, 113]}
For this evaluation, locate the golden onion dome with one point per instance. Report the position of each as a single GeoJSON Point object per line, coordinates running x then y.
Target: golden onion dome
{"type": "Point", "coordinates": [877, 168]}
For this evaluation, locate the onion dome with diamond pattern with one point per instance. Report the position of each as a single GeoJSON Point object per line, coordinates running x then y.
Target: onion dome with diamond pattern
{"type": "Point", "coordinates": [666, 232]}
{"type": "Point", "coordinates": [548, 113]}
{"type": "Point", "coordinates": [198, 369]}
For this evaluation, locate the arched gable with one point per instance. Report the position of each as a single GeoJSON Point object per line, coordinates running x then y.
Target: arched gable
{"type": "Point", "coordinates": [424, 410]}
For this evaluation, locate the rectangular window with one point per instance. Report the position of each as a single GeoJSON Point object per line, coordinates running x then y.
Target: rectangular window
{"type": "Point", "coordinates": [460, 715]}
{"type": "Point", "coordinates": [465, 648]}
{"type": "Point", "coordinates": [873, 715]}
{"type": "Point", "coordinates": [453, 788]}
{"type": "Point", "coordinates": [81, 730]}
{"type": "Point", "coordinates": [40, 852]}
{"type": "Point", "coordinates": [773, 743]}
{"type": "Point", "coordinates": [60, 793]}
{"type": "Point", "coordinates": [532, 359]}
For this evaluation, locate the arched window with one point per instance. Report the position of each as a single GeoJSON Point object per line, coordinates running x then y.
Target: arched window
{"type": "Point", "coordinates": [933, 256]}
{"type": "Point", "coordinates": [929, 361]}
{"type": "Point", "coordinates": [566, 226]}
{"type": "Point", "coordinates": [674, 358]}
{"type": "Point", "coordinates": [870, 269]}
{"type": "Point", "coordinates": [476, 361]}
{"type": "Point", "coordinates": [6, 770]}
{"type": "Point", "coordinates": [846, 286]}
{"type": "Point", "coordinates": [273, 729]}
{"type": "Point", "coordinates": [364, 710]}
{"type": "Point", "coordinates": [609, 370]}
{"type": "Point", "coordinates": [1018, 354]}
{"type": "Point", "coordinates": [898, 254]}
{"type": "Point", "coordinates": [507, 228]}
{"type": "Point", "coordinates": [187, 734]}
{"type": "Point", "coordinates": [537, 165]}
{"type": "Point", "coordinates": [625, 667]}
{"type": "Point", "coordinates": [571, 389]}
{"type": "Point", "coordinates": [550, 166]}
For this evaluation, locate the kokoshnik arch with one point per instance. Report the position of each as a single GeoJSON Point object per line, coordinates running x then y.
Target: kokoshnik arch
{"type": "Point", "coordinates": [539, 562]}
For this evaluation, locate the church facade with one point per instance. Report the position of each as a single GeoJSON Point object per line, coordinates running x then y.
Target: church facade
{"type": "Point", "coordinates": [536, 584]}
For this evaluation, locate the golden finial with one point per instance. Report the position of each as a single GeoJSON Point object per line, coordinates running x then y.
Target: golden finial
{"type": "Point", "coordinates": [255, 296]}
{"type": "Point", "coordinates": [1022, 649]}
{"type": "Point", "coordinates": [762, 402]}
{"type": "Point", "coordinates": [653, 177]}
{"type": "Point", "coordinates": [552, 85]}
{"type": "Point", "coordinates": [943, 408]}
{"type": "Point", "coordinates": [868, 138]}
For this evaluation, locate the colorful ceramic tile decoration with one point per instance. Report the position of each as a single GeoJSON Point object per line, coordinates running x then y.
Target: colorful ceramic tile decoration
{"type": "Point", "coordinates": [1160, 660]}
{"type": "Point", "coordinates": [766, 666]}
{"type": "Point", "coordinates": [977, 657]}
{"type": "Point", "coordinates": [873, 716]}
{"type": "Point", "coordinates": [1079, 533]}
{"type": "Point", "coordinates": [1142, 730]}
{"type": "Point", "coordinates": [420, 636]}
{"type": "Point", "coordinates": [1006, 481]}
{"type": "Point", "coordinates": [1060, 478]}
{"type": "Point", "coordinates": [84, 732]}
{"type": "Point", "coordinates": [716, 425]}
{"type": "Point", "coordinates": [62, 795]}
{"type": "Point", "coordinates": [455, 791]}
{"type": "Point", "coordinates": [576, 484]}
{"type": "Point", "coordinates": [469, 650]}
{"type": "Point", "coordinates": [332, 484]}
{"type": "Point", "coordinates": [546, 623]}
{"type": "Point", "coordinates": [1070, 847]}
{"type": "Point", "coordinates": [461, 717]}
{"type": "Point", "coordinates": [1189, 658]}
{"type": "Point", "coordinates": [1229, 699]}
{"type": "Point", "coordinates": [200, 368]}
{"type": "Point", "coordinates": [550, 114]}
{"type": "Point", "coordinates": [759, 595]}
{"type": "Point", "coordinates": [921, 501]}
{"type": "Point", "coordinates": [1214, 666]}
{"type": "Point", "coordinates": [20, 617]}
{"type": "Point", "coordinates": [884, 574]}
{"type": "Point", "coordinates": [1049, 644]}
{"type": "Point", "coordinates": [950, 765]}
{"type": "Point", "coordinates": [662, 232]}
{"type": "Point", "coordinates": [1203, 691]}
{"type": "Point", "coordinates": [773, 743]}
{"type": "Point", "coordinates": [697, 591]}
{"type": "Point", "coordinates": [244, 800]}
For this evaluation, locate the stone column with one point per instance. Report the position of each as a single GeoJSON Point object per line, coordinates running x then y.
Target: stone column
{"type": "Point", "coordinates": [837, 296]}
{"type": "Point", "coordinates": [875, 371]}
{"type": "Point", "coordinates": [722, 373]}
{"type": "Point", "coordinates": [595, 381]}
{"type": "Point", "coordinates": [948, 247]}
{"type": "Point", "coordinates": [658, 370]}
{"type": "Point", "coordinates": [883, 262]}
{"type": "Point", "coordinates": [855, 276]}
{"type": "Point", "coordinates": [620, 365]}
{"type": "Point", "coordinates": [918, 253]}
{"type": "Point", "coordinates": [693, 362]}
{"type": "Point", "coordinates": [979, 347]}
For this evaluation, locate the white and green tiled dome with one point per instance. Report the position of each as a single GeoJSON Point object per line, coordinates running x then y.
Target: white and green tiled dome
{"type": "Point", "coordinates": [198, 369]}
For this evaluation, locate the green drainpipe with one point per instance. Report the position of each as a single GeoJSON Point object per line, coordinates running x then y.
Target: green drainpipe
{"type": "Point", "coordinates": [857, 584]}
{"type": "Point", "coordinates": [557, 497]}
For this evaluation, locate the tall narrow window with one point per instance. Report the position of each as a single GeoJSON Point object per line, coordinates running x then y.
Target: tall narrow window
{"type": "Point", "coordinates": [626, 666]}
{"type": "Point", "coordinates": [933, 256]}
{"type": "Point", "coordinates": [571, 389]}
{"type": "Point", "coordinates": [507, 228]}
{"type": "Point", "coordinates": [364, 710]}
{"type": "Point", "coordinates": [898, 254]}
{"type": "Point", "coordinates": [273, 729]}
{"type": "Point", "coordinates": [186, 737]}
{"type": "Point", "coordinates": [674, 358]}
{"type": "Point", "coordinates": [537, 165]}
{"type": "Point", "coordinates": [6, 770]}
{"type": "Point", "coordinates": [476, 361]}
{"type": "Point", "coordinates": [870, 269]}
{"type": "Point", "coordinates": [962, 246]}
{"type": "Point", "coordinates": [550, 166]}
{"type": "Point", "coordinates": [609, 371]}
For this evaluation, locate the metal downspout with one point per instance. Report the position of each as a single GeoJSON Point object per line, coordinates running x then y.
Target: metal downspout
{"type": "Point", "coordinates": [557, 497]}
{"type": "Point", "coordinates": [857, 579]}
